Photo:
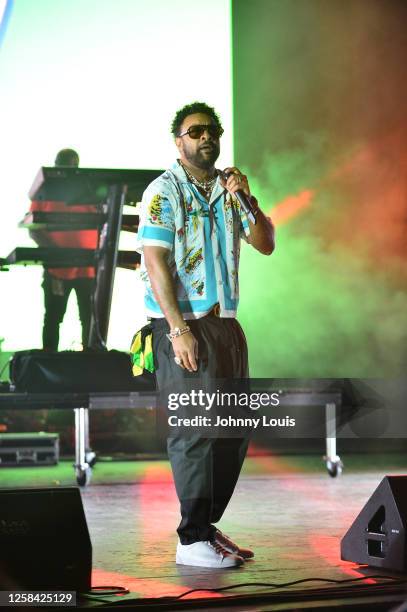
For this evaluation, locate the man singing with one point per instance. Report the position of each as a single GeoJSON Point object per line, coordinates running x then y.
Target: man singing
{"type": "Point", "coordinates": [190, 230]}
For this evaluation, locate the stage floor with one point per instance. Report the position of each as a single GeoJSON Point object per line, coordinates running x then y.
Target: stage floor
{"type": "Point", "coordinates": [286, 508]}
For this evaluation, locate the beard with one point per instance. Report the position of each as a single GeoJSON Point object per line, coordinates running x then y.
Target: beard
{"type": "Point", "coordinates": [203, 159]}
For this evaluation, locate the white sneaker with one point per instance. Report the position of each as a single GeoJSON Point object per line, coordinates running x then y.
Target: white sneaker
{"type": "Point", "coordinates": [206, 554]}
{"type": "Point", "coordinates": [232, 547]}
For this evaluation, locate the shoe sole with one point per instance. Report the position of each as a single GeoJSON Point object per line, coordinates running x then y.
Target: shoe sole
{"type": "Point", "coordinates": [237, 564]}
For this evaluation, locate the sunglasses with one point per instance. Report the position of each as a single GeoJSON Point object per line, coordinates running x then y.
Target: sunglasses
{"type": "Point", "coordinates": [196, 131]}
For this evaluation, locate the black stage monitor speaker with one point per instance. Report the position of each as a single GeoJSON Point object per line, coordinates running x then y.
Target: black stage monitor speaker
{"type": "Point", "coordinates": [44, 540]}
{"type": "Point", "coordinates": [377, 537]}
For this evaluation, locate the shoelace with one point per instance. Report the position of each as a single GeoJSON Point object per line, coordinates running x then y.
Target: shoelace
{"type": "Point", "coordinates": [227, 539]}
{"type": "Point", "coordinates": [219, 549]}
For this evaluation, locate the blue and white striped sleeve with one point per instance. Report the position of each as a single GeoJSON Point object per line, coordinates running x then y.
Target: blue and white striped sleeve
{"type": "Point", "coordinates": [244, 226]}
{"type": "Point", "coordinates": [157, 226]}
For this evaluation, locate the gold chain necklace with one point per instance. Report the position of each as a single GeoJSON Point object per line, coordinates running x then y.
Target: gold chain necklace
{"type": "Point", "coordinates": [206, 186]}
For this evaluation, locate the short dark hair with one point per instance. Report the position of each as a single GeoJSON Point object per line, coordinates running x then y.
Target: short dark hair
{"type": "Point", "coordinates": [191, 109]}
{"type": "Point", "coordinates": [65, 157]}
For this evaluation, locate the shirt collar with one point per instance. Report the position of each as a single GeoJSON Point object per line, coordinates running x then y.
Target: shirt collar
{"type": "Point", "coordinates": [179, 172]}
{"type": "Point", "coordinates": [181, 176]}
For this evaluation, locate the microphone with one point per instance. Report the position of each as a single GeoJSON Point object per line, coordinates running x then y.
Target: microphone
{"type": "Point", "coordinates": [242, 198]}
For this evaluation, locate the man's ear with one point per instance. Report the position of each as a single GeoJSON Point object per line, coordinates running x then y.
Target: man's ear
{"type": "Point", "coordinates": [178, 143]}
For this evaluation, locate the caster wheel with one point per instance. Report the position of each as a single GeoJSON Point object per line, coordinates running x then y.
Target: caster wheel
{"type": "Point", "coordinates": [334, 468]}
{"type": "Point", "coordinates": [83, 476]}
{"type": "Point", "coordinates": [90, 458]}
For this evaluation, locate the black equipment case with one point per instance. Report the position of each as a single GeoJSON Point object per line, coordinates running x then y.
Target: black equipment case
{"type": "Point", "coordinates": [37, 371]}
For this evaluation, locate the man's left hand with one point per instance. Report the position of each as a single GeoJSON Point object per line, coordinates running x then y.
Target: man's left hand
{"type": "Point", "coordinates": [235, 181]}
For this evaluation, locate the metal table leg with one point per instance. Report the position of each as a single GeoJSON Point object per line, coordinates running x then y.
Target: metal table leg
{"type": "Point", "coordinates": [83, 469]}
{"type": "Point", "coordinates": [333, 462]}
{"type": "Point", "coordinates": [90, 455]}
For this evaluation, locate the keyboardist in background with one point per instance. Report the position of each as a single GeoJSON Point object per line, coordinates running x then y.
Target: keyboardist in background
{"type": "Point", "coordinates": [59, 282]}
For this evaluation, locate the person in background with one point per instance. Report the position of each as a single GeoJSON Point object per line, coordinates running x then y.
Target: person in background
{"type": "Point", "coordinates": [59, 282]}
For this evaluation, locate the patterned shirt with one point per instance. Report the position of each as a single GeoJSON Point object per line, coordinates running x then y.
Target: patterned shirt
{"type": "Point", "coordinates": [203, 239]}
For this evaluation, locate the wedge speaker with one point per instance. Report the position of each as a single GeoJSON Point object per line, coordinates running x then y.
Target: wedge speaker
{"type": "Point", "coordinates": [377, 537]}
{"type": "Point", "coordinates": [44, 540]}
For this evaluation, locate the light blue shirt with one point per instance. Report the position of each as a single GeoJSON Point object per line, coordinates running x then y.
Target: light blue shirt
{"type": "Point", "coordinates": [203, 239]}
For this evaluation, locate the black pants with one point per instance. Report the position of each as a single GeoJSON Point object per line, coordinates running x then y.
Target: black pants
{"type": "Point", "coordinates": [205, 470]}
{"type": "Point", "coordinates": [56, 294]}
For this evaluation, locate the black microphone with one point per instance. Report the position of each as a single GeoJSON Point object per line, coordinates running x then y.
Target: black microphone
{"type": "Point", "coordinates": [242, 198]}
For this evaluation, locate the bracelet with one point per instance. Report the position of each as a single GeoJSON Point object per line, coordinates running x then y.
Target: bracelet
{"type": "Point", "coordinates": [177, 331]}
